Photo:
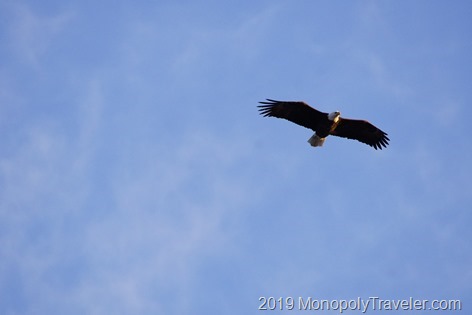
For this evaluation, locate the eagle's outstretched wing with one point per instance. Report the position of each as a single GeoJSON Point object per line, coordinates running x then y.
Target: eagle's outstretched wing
{"type": "Point", "coordinates": [297, 112]}
{"type": "Point", "coordinates": [362, 131]}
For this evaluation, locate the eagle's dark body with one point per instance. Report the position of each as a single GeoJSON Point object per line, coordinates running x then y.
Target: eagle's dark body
{"type": "Point", "coordinates": [326, 127]}
{"type": "Point", "coordinates": [325, 124]}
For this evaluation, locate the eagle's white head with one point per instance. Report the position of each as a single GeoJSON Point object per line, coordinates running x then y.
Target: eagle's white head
{"type": "Point", "coordinates": [334, 116]}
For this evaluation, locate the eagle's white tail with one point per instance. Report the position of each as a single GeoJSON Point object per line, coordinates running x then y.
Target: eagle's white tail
{"type": "Point", "coordinates": [316, 141]}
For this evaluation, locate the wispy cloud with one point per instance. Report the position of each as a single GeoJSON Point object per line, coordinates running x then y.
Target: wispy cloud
{"type": "Point", "coordinates": [158, 215]}
{"type": "Point", "coordinates": [31, 33]}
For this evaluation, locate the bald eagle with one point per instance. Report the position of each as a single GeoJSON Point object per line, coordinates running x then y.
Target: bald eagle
{"type": "Point", "coordinates": [324, 124]}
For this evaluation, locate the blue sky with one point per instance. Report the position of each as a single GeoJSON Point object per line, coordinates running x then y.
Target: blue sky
{"type": "Point", "coordinates": [136, 176]}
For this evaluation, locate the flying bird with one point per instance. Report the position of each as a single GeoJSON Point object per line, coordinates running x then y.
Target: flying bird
{"type": "Point", "coordinates": [324, 124]}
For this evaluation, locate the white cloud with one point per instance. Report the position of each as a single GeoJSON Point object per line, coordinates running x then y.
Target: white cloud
{"type": "Point", "coordinates": [149, 228]}
{"type": "Point", "coordinates": [160, 231]}
{"type": "Point", "coordinates": [31, 34]}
